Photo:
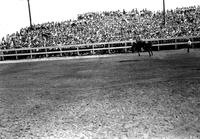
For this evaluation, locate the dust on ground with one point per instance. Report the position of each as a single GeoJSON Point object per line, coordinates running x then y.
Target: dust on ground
{"type": "Point", "coordinates": [122, 96]}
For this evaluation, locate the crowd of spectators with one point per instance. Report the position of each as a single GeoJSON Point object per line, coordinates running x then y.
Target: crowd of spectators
{"type": "Point", "coordinates": [108, 26]}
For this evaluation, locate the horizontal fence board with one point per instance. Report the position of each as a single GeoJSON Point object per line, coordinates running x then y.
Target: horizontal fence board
{"type": "Point", "coordinates": [103, 43]}
{"type": "Point", "coordinates": [61, 49]}
{"type": "Point", "coordinates": [66, 46]}
{"type": "Point", "coordinates": [67, 51]}
{"type": "Point", "coordinates": [179, 43]}
{"type": "Point", "coordinates": [40, 53]}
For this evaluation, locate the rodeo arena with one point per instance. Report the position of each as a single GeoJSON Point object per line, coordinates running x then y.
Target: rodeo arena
{"type": "Point", "coordinates": [104, 75]}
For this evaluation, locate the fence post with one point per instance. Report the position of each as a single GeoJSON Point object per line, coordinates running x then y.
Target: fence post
{"type": "Point", "coordinates": [109, 48]}
{"type": "Point", "coordinates": [125, 50]}
{"type": "Point", "coordinates": [93, 49]}
{"type": "Point", "coordinates": [1, 55]}
{"type": "Point", "coordinates": [16, 54]}
{"type": "Point", "coordinates": [175, 44]}
{"type": "Point", "coordinates": [31, 53]}
{"type": "Point", "coordinates": [60, 51]}
{"type": "Point", "coordinates": [158, 46]}
{"type": "Point", "coordinates": [46, 52]}
{"type": "Point", "coordinates": [77, 51]}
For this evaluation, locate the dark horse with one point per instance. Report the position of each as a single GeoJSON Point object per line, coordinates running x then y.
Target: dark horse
{"type": "Point", "coordinates": [138, 45]}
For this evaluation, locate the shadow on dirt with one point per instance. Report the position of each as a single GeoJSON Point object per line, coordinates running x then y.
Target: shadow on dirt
{"type": "Point", "coordinates": [196, 69]}
{"type": "Point", "coordinates": [124, 61]}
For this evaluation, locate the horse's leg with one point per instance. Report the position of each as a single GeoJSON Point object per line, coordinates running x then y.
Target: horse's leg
{"type": "Point", "coordinates": [138, 52]}
{"type": "Point", "coordinates": [149, 53]}
{"type": "Point", "coordinates": [147, 50]}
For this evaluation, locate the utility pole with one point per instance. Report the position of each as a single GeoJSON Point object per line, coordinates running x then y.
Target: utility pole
{"type": "Point", "coordinates": [29, 9]}
{"type": "Point", "coordinates": [164, 12]}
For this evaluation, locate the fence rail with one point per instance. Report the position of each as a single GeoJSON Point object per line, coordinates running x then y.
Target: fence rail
{"type": "Point", "coordinates": [94, 48]}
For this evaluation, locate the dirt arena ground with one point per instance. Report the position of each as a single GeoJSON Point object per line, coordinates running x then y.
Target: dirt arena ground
{"type": "Point", "coordinates": [117, 97]}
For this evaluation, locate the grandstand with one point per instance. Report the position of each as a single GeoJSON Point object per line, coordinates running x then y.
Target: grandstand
{"type": "Point", "coordinates": [108, 27]}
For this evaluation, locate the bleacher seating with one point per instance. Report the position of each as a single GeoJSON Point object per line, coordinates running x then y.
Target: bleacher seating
{"type": "Point", "coordinates": [107, 27]}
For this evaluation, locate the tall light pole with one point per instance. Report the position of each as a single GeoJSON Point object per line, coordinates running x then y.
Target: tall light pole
{"type": "Point", "coordinates": [164, 12]}
{"type": "Point", "coordinates": [29, 9]}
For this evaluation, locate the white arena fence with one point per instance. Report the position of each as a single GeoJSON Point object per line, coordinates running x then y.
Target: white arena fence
{"type": "Point", "coordinates": [93, 48]}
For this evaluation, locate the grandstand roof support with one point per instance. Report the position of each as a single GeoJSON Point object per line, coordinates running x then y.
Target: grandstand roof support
{"type": "Point", "coordinates": [29, 9]}
{"type": "Point", "coordinates": [164, 12]}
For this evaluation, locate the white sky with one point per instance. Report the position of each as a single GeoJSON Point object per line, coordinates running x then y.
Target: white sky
{"type": "Point", "coordinates": [14, 13]}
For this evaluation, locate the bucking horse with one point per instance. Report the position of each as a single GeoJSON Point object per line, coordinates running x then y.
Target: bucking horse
{"type": "Point", "coordinates": [140, 44]}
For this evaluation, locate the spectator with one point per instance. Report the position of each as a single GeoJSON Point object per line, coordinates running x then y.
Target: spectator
{"type": "Point", "coordinates": [108, 26]}
{"type": "Point", "coordinates": [189, 45]}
